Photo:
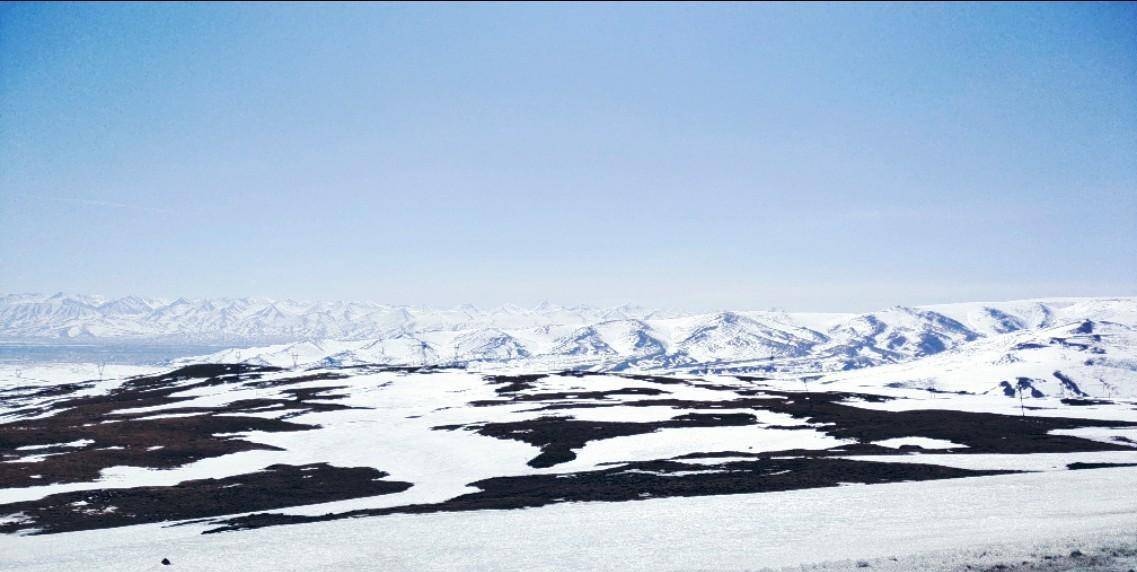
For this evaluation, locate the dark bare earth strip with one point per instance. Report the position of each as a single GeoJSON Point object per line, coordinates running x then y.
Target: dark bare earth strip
{"type": "Point", "coordinates": [645, 480]}
{"type": "Point", "coordinates": [559, 437]}
{"type": "Point", "coordinates": [830, 413]}
{"type": "Point", "coordinates": [115, 437]}
{"type": "Point", "coordinates": [277, 486]}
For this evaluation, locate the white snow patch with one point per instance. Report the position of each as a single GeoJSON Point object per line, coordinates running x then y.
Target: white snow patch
{"type": "Point", "coordinates": [667, 443]}
{"type": "Point", "coordinates": [79, 443]}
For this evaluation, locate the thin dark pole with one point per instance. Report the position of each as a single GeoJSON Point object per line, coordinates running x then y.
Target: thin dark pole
{"type": "Point", "coordinates": [1022, 408]}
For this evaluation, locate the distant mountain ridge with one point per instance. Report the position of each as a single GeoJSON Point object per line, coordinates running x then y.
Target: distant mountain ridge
{"type": "Point", "coordinates": [262, 320]}
{"type": "Point", "coordinates": [755, 341]}
{"type": "Point", "coordinates": [1054, 344]}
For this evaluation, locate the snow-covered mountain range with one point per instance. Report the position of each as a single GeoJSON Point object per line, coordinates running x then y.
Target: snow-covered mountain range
{"type": "Point", "coordinates": [1069, 346]}
{"type": "Point", "coordinates": [262, 320]}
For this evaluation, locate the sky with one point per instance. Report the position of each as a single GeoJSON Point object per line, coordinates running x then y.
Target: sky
{"type": "Point", "coordinates": [806, 157]}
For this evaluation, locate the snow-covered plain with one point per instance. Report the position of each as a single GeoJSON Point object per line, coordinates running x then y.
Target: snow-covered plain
{"type": "Point", "coordinates": [395, 425]}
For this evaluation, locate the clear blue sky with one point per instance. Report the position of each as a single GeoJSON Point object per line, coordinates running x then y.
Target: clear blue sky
{"type": "Point", "coordinates": [700, 156]}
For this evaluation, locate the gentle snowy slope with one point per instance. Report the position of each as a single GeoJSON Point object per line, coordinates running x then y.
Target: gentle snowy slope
{"type": "Point", "coordinates": [940, 525]}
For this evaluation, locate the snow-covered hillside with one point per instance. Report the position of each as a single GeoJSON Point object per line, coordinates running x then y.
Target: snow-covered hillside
{"type": "Point", "coordinates": [1084, 359]}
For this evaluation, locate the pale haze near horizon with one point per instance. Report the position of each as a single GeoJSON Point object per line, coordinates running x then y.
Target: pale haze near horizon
{"type": "Point", "coordinates": [835, 157]}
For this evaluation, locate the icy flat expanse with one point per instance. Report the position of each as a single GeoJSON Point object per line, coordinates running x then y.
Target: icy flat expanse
{"type": "Point", "coordinates": [395, 467]}
{"type": "Point", "coordinates": [735, 532]}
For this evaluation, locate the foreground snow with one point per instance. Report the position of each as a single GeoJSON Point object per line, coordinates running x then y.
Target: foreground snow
{"type": "Point", "coordinates": [948, 521]}
{"type": "Point", "coordinates": [696, 471]}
